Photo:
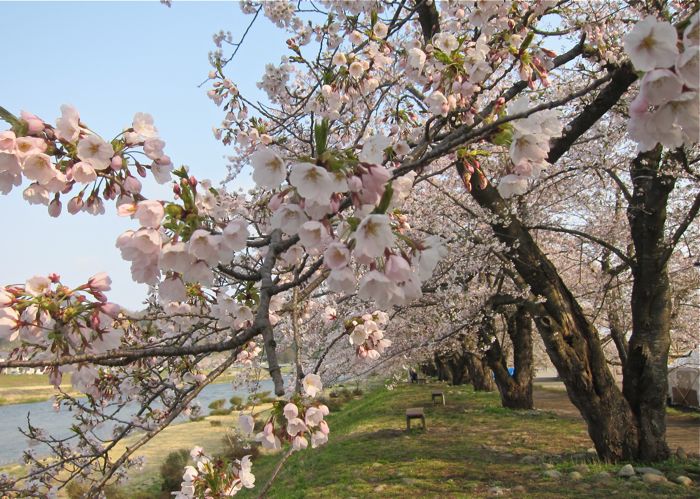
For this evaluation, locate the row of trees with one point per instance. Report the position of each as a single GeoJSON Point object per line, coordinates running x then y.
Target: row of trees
{"type": "Point", "coordinates": [434, 181]}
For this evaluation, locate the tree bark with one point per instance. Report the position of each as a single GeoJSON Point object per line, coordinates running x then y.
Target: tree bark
{"type": "Point", "coordinates": [458, 370]}
{"type": "Point", "coordinates": [516, 389]}
{"type": "Point", "coordinates": [443, 373]}
{"type": "Point", "coordinates": [479, 372]}
{"type": "Point", "coordinates": [645, 382]}
{"type": "Point", "coordinates": [570, 339]}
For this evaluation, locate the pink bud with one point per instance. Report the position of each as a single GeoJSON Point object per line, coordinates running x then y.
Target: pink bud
{"type": "Point", "coordinates": [55, 208]}
{"type": "Point", "coordinates": [75, 205]}
{"type": "Point", "coordinates": [35, 125]}
{"type": "Point", "coordinates": [54, 278]}
{"type": "Point", "coordinates": [111, 309]}
{"type": "Point", "coordinates": [117, 163]}
{"type": "Point", "coordinates": [95, 320]}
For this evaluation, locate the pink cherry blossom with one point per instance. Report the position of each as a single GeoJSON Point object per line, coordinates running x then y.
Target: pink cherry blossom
{"type": "Point", "coordinates": [38, 285]}
{"type": "Point", "coordinates": [246, 423]}
{"type": "Point", "coordinates": [397, 268]}
{"type": "Point", "coordinates": [373, 149]}
{"type": "Point", "coordinates": [149, 213]}
{"type": "Point", "coordinates": [172, 289]}
{"type": "Point", "coordinates": [143, 126]}
{"type": "Point", "coordinates": [68, 124]}
{"type": "Point", "coordinates": [205, 246]}
{"type": "Point", "coordinates": [290, 411]}
{"type": "Point", "coordinates": [36, 194]}
{"type": "Point", "coordinates": [342, 281]}
{"type": "Point", "coordinates": [373, 236]}
{"type": "Point", "coordinates": [651, 44]}
{"type": "Point", "coordinates": [688, 66]}
{"type": "Point", "coordinates": [512, 185]}
{"type": "Point", "coordinates": [336, 256]}
{"type": "Point", "coordinates": [660, 86]}
{"type": "Point", "coordinates": [55, 207]}
{"type": "Point", "coordinates": [313, 236]}
{"type": "Point", "coordinates": [8, 141]}
{"type": "Point", "coordinates": [312, 182]}
{"type": "Point", "coordinates": [8, 323]}
{"type": "Point", "coordinates": [269, 170]}
{"type": "Point", "coordinates": [92, 148]}
{"type": "Point", "coordinates": [84, 172]}
{"type": "Point", "coordinates": [318, 438]}
{"type": "Point", "coordinates": [153, 148]}
{"type": "Point", "coordinates": [289, 218]}
{"type": "Point", "coordinates": [312, 385]}
{"type": "Point", "coordinates": [26, 146]}
{"type": "Point", "coordinates": [39, 167]}
{"type": "Point", "coordinates": [235, 235]}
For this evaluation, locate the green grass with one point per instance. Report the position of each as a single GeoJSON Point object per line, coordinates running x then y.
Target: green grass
{"type": "Point", "coordinates": [470, 445]}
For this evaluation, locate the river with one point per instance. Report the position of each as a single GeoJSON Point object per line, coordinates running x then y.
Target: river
{"type": "Point", "coordinates": [58, 423]}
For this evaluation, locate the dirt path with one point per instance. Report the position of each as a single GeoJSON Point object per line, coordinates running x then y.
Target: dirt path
{"type": "Point", "coordinates": [683, 430]}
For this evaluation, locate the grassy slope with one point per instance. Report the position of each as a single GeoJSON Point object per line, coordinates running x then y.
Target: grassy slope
{"type": "Point", "coordinates": [27, 388]}
{"type": "Point", "coordinates": [471, 445]}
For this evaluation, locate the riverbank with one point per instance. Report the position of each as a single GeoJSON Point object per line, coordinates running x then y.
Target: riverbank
{"type": "Point", "coordinates": [30, 388]}
{"type": "Point", "coordinates": [472, 448]}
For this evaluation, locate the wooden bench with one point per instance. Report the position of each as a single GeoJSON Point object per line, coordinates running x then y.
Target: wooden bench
{"type": "Point", "coordinates": [414, 413]}
{"type": "Point", "coordinates": [437, 396]}
{"type": "Point", "coordinates": [421, 381]}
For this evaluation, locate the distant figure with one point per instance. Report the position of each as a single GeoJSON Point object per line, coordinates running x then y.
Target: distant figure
{"type": "Point", "coordinates": [413, 375]}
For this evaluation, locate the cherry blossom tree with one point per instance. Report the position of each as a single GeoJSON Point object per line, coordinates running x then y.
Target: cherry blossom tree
{"type": "Point", "coordinates": [492, 102]}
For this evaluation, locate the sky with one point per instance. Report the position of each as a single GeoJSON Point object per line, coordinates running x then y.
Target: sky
{"type": "Point", "coordinates": [111, 60]}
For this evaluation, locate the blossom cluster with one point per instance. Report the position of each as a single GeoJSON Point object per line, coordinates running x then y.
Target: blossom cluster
{"type": "Point", "coordinates": [529, 146]}
{"type": "Point", "coordinates": [215, 477]}
{"type": "Point", "coordinates": [46, 318]}
{"type": "Point", "coordinates": [297, 421]}
{"type": "Point", "coordinates": [667, 109]}
{"type": "Point", "coordinates": [57, 159]}
{"type": "Point", "coordinates": [366, 335]}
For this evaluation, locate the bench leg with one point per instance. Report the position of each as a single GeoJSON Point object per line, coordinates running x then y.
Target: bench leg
{"type": "Point", "coordinates": [423, 421]}
{"type": "Point", "coordinates": [408, 424]}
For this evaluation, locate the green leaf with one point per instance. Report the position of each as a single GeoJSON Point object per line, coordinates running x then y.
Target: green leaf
{"type": "Point", "coordinates": [353, 222]}
{"type": "Point", "coordinates": [321, 136]}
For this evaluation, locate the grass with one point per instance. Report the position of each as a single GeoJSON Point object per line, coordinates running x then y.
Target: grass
{"type": "Point", "coordinates": [28, 388]}
{"type": "Point", "coordinates": [470, 446]}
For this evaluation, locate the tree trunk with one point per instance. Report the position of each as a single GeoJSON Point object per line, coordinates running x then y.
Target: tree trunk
{"type": "Point", "coordinates": [479, 372]}
{"type": "Point", "coordinates": [458, 370]}
{"type": "Point", "coordinates": [516, 389]}
{"type": "Point", "coordinates": [443, 373]}
{"type": "Point", "coordinates": [645, 382]}
{"type": "Point", "coordinates": [570, 339]}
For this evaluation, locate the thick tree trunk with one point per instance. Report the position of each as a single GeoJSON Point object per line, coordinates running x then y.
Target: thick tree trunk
{"type": "Point", "coordinates": [479, 372]}
{"type": "Point", "coordinates": [516, 389]}
{"type": "Point", "coordinates": [570, 339]}
{"type": "Point", "coordinates": [443, 373]}
{"type": "Point", "coordinates": [458, 370]}
{"type": "Point", "coordinates": [645, 374]}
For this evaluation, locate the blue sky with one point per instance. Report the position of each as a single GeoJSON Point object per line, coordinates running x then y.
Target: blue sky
{"type": "Point", "coordinates": [111, 60]}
